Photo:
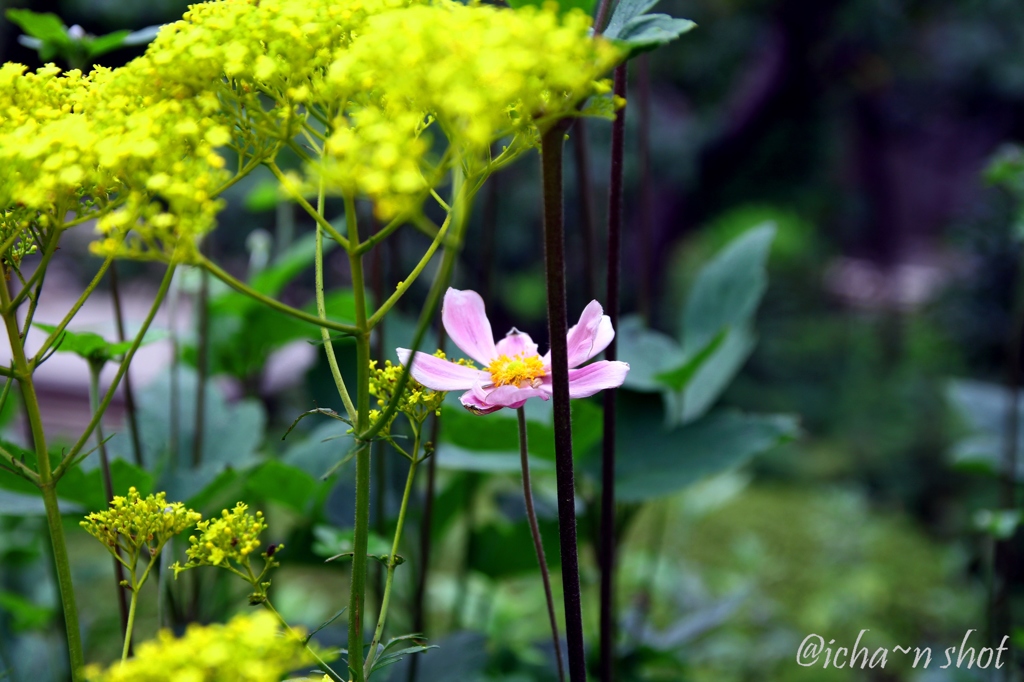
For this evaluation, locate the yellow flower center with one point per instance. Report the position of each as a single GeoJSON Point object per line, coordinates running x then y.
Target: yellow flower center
{"type": "Point", "coordinates": [514, 371]}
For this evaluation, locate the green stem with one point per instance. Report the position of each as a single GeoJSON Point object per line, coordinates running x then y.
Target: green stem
{"type": "Point", "coordinates": [362, 513]}
{"type": "Point", "coordinates": [462, 198]}
{"type": "Point", "coordinates": [47, 485]}
{"type": "Point", "coordinates": [392, 559]}
{"type": "Point", "coordinates": [131, 624]}
{"type": "Point", "coordinates": [321, 310]}
{"type": "Point", "coordinates": [243, 288]}
{"type": "Point", "coordinates": [55, 335]}
{"type": "Point", "coordinates": [538, 545]}
{"type": "Point", "coordinates": [315, 214]}
{"type": "Point", "coordinates": [69, 458]}
{"type": "Point", "coordinates": [411, 279]}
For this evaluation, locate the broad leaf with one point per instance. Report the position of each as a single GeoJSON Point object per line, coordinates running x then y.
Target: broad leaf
{"type": "Point", "coordinates": [288, 485]}
{"type": "Point", "coordinates": [710, 378]}
{"type": "Point", "coordinates": [728, 289]}
{"type": "Point", "coordinates": [654, 461]}
{"type": "Point", "coordinates": [649, 354]}
{"type": "Point", "coordinates": [630, 24]}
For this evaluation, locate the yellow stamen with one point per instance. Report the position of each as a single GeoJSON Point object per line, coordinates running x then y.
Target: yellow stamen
{"type": "Point", "coordinates": [517, 370]}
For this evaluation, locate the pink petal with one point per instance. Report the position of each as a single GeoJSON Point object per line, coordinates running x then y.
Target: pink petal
{"type": "Point", "coordinates": [441, 375]}
{"type": "Point", "coordinates": [466, 323]}
{"type": "Point", "coordinates": [516, 342]}
{"type": "Point", "coordinates": [595, 377]}
{"type": "Point", "coordinates": [588, 337]}
{"type": "Point", "coordinates": [485, 401]}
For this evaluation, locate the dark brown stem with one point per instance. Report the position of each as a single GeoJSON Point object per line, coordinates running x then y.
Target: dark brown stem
{"type": "Point", "coordinates": [643, 72]}
{"type": "Point", "coordinates": [586, 208]}
{"type": "Point", "coordinates": [552, 143]}
{"type": "Point", "coordinates": [606, 547]}
{"type": "Point", "coordinates": [129, 392]}
{"type": "Point", "coordinates": [419, 623]}
{"type": "Point", "coordinates": [538, 545]}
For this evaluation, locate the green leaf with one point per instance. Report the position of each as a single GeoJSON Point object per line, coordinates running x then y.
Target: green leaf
{"type": "Point", "coordinates": [984, 407]}
{"type": "Point", "coordinates": [290, 264]}
{"type": "Point", "coordinates": [44, 26]}
{"type": "Point", "coordinates": [630, 24]}
{"type": "Point", "coordinates": [651, 31]}
{"type": "Point", "coordinates": [25, 614]}
{"type": "Point", "coordinates": [654, 461]}
{"type": "Point", "coordinates": [728, 289]}
{"type": "Point", "coordinates": [101, 45]}
{"type": "Point", "coordinates": [711, 378]}
{"type": "Point", "coordinates": [93, 347]}
{"type": "Point", "coordinates": [499, 432]}
{"type": "Point", "coordinates": [649, 354]}
{"type": "Point", "coordinates": [505, 549]}
{"type": "Point", "coordinates": [285, 484]}
{"type": "Point", "coordinates": [332, 542]}
{"type": "Point", "coordinates": [679, 378]}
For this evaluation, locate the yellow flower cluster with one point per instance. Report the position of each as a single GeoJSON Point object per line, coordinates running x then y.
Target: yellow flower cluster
{"type": "Point", "coordinates": [249, 648]}
{"type": "Point", "coordinates": [115, 145]}
{"type": "Point", "coordinates": [140, 521]}
{"type": "Point", "coordinates": [417, 401]}
{"type": "Point", "coordinates": [232, 537]}
{"type": "Point", "coordinates": [360, 81]}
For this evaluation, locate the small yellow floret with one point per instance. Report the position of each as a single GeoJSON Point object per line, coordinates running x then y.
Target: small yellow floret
{"type": "Point", "coordinates": [517, 370]}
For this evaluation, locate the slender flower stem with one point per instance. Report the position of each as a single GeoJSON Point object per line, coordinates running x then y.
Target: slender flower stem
{"type": "Point", "coordinates": [314, 213]}
{"type": "Point", "coordinates": [131, 623]}
{"type": "Point", "coordinates": [55, 335]}
{"type": "Point", "coordinates": [606, 545]}
{"type": "Point", "coordinates": [323, 666]}
{"type": "Point", "coordinates": [95, 368]}
{"type": "Point", "coordinates": [129, 393]}
{"type": "Point", "coordinates": [361, 528]}
{"type": "Point", "coordinates": [419, 607]}
{"type": "Point", "coordinates": [47, 484]}
{"type": "Point", "coordinates": [411, 279]}
{"type": "Point", "coordinates": [71, 455]}
{"type": "Point", "coordinates": [392, 558]}
{"type": "Point", "coordinates": [321, 311]}
{"type": "Point", "coordinates": [586, 208]}
{"type": "Point", "coordinates": [243, 288]}
{"type": "Point", "coordinates": [554, 261]}
{"type": "Point", "coordinates": [538, 545]}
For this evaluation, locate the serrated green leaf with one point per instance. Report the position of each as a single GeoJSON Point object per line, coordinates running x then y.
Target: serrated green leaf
{"type": "Point", "coordinates": [650, 31]}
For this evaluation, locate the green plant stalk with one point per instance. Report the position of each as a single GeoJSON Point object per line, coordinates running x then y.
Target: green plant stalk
{"type": "Point", "coordinates": [392, 563]}
{"type": "Point", "coordinates": [69, 458]}
{"type": "Point", "coordinates": [47, 485]}
{"type": "Point", "coordinates": [321, 310]}
{"type": "Point", "coordinates": [538, 545]}
{"type": "Point", "coordinates": [462, 199]}
{"type": "Point", "coordinates": [129, 393]}
{"type": "Point", "coordinates": [136, 588]}
{"type": "Point", "coordinates": [55, 335]}
{"type": "Point", "coordinates": [315, 214]}
{"type": "Point", "coordinates": [243, 288]}
{"type": "Point", "coordinates": [202, 367]}
{"type": "Point", "coordinates": [357, 594]}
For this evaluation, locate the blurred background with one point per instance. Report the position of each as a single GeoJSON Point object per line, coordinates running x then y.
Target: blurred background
{"type": "Point", "coordinates": [890, 332]}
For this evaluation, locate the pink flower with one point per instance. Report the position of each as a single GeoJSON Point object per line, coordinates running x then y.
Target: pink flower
{"type": "Point", "coordinates": [513, 370]}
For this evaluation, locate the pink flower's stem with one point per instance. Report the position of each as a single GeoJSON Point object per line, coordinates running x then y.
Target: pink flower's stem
{"type": "Point", "coordinates": [552, 143]}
